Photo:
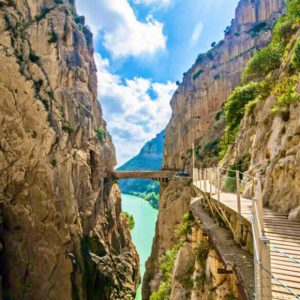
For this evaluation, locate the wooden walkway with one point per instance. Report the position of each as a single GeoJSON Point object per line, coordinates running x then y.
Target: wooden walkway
{"type": "Point", "coordinates": [284, 238]}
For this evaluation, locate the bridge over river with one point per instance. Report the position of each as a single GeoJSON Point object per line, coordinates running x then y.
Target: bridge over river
{"type": "Point", "coordinates": [163, 176]}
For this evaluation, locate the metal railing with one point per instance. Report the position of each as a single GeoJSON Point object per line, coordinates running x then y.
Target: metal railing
{"type": "Point", "coordinates": [213, 180]}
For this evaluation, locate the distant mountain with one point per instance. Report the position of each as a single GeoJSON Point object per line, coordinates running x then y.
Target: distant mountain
{"type": "Point", "coordinates": [149, 158]}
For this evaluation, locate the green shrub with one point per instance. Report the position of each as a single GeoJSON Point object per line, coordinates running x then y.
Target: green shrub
{"type": "Point", "coordinates": [197, 74]}
{"type": "Point", "coordinates": [201, 279]}
{"type": "Point", "coordinates": [210, 55]}
{"type": "Point", "coordinates": [130, 219]}
{"type": "Point", "coordinates": [100, 134]}
{"type": "Point", "coordinates": [296, 56]}
{"type": "Point", "coordinates": [166, 262]}
{"type": "Point", "coordinates": [250, 106]}
{"type": "Point", "coordinates": [219, 114]}
{"type": "Point", "coordinates": [293, 8]}
{"type": "Point", "coordinates": [58, 1]}
{"type": "Point", "coordinates": [258, 28]}
{"type": "Point", "coordinates": [230, 297]}
{"type": "Point", "coordinates": [234, 107]}
{"type": "Point", "coordinates": [33, 57]}
{"type": "Point", "coordinates": [152, 198]}
{"type": "Point", "coordinates": [186, 226]}
{"type": "Point", "coordinates": [202, 251]}
{"type": "Point", "coordinates": [263, 62]}
{"type": "Point", "coordinates": [217, 77]}
{"type": "Point", "coordinates": [286, 94]}
{"type": "Point", "coordinates": [163, 292]}
{"type": "Point", "coordinates": [53, 38]}
{"type": "Point", "coordinates": [68, 128]}
{"type": "Point", "coordinates": [200, 58]}
{"type": "Point", "coordinates": [44, 12]}
{"type": "Point", "coordinates": [283, 30]}
{"type": "Point", "coordinates": [198, 154]}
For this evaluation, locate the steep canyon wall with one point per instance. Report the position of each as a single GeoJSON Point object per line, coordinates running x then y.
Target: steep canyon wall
{"type": "Point", "coordinates": [62, 232]}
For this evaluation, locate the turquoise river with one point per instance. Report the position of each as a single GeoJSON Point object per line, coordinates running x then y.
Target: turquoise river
{"type": "Point", "coordinates": [143, 232]}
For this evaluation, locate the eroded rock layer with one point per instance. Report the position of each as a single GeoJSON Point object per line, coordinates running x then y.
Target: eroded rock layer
{"type": "Point", "coordinates": [211, 79]}
{"type": "Point", "coordinates": [174, 202]}
{"type": "Point", "coordinates": [63, 234]}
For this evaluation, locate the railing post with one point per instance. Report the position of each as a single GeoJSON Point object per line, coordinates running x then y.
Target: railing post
{"type": "Point", "coordinates": [238, 192]}
{"type": "Point", "coordinates": [209, 181]}
{"type": "Point", "coordinates": [260, 205]}
{"type": "Point", "coordinates": [200, 179]}
{"type": "Point", "coordinates": [263, 278]}
{"type": "Point", "coordinates": [205, 184]}
{"type": "Point", "coordinates": [218, 185]}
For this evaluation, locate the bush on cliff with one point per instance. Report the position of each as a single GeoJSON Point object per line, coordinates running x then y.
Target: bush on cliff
{"type": "Point", "coordinates": [234, 107]}
{"type": "Point", "coordinates": [129, 219]}
{"type": "Point", "coordinates": [167, 261]}
{"type": "Point", "coordinates": [261, 64]}
{"type": "Point", "coordinates": [296, 57]}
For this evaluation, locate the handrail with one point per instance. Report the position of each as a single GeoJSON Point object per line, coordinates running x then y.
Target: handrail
{"type": "Point", "coordinates": [256, 253]}
{"type": "Point", "coordinates": [260, 232]}
{"type": "Point", "coordinates": [261, 243]}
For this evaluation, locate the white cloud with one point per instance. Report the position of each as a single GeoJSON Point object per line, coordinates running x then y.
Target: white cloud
{"type": "Point", "coordinates": [196, 34]}
{"type": "Point", "coordinates": [123, 34]}
{"type": "Point", "coordinates": [153, 2]}
{"type": "Point", "coordinates": [133, 116]}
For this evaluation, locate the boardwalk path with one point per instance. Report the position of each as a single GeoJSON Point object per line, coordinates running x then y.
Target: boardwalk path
{"type": "Point", "coordinates": [284, 238]}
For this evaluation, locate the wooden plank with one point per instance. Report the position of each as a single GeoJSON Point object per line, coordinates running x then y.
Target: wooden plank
{"type": "Point", "coordinates": [293, 286]}
{"type": "Point", "coordinates": [284, 235]}
{"type": "Point", "coordinates": [284, 272]}
{"type": "Point", "coordinates": [278, 295]}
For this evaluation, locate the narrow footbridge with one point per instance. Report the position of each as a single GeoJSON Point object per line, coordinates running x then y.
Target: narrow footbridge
{"type": "Point", "coordinates": [276, 239]}
{"type": "Point", "coordinates": [160, 176]}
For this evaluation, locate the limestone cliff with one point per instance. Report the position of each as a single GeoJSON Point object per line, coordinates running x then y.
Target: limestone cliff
{"type": "Point", "coordinates": [173, 203]}
{"type": "Point", "coordinates": [63, 235]}
{"type": "Point", "coordinates": [269, 132]}
{"type": "Point", "coordinates": [211, 79]}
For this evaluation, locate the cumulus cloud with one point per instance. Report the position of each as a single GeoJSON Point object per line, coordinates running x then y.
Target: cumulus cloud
{"type": "Point", "coordinates": [196, 34]}
{"type": "Point", "coordinates": [133, 116]}
{"type": "Point", "coordinates": [123, 34]}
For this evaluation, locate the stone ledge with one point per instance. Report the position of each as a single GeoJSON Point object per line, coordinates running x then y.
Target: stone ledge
{"type": "Point", "coordinates": [229, 252]}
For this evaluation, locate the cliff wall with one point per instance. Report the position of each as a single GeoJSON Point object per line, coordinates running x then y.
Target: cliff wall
{"type": "Point", "coordinates": [209, 82]}
{"type": "Point", "coordinates": [62, 231]}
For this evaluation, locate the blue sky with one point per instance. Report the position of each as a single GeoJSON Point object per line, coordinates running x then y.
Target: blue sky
{"type": "Point", "coordinates": [142, 48]}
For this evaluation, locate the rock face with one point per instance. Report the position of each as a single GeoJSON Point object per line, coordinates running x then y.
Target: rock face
{"type": "Point", "coordinates": [63, 235]}
{"type": "Point", "coordinates": [211, 79]}
{"type": "Point", "coordinates": [174, 202]}
{"type": "Point", "coordinates": [272, 143]}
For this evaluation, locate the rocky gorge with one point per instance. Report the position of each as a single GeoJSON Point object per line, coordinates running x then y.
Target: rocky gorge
{"type": "Point", "coordinates": [62, 231]}
{"type": "Point", "coordinates": [62, 234]}
{"type": "Point", "coordinates": [215, 118]}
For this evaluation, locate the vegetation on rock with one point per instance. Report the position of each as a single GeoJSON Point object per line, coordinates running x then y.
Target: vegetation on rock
{"type": "Point", "coordinates": [168, 259]}
{"type": "Point", "coordinates": [130, 219]}
{"type": "Point", "coordinates": [261, 77]}
{"type": "Point", "coordinates": [100, 134]}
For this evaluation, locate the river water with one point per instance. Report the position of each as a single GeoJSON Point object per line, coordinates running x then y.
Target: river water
{"type": "Point", "coordinates": [143, 232]}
